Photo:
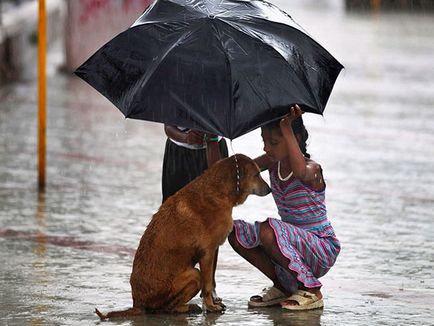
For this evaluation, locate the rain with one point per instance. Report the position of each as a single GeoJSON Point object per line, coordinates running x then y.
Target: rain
{"type": "Point", "coordinates": [69, 249]}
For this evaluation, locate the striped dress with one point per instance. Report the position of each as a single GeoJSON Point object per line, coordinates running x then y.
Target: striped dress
{"type": "Point", "coordinates": [304, 234]}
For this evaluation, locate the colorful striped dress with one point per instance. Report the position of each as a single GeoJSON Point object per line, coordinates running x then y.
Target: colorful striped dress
{"type": "Point", "coordinates": [304, 234]}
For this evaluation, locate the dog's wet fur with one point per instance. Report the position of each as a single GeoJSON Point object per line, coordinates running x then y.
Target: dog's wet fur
{"type": "Point", "coordinates": [188, 229]}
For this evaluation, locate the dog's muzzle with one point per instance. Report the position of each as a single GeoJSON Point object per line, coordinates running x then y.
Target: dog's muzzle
{"type": "Point", "coordinates": [263, 190]}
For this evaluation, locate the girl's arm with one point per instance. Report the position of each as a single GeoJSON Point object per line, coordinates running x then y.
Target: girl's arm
{"type": "Point", "coordinates": [314, 178]}
{"type": "Point", "coordinates": [188, 137]}
{"type": "Point", "coordinates": [195, 137]}
{"type": "Point", "coordinates": [308, 171]}
{"type": "Point", "coordinates": [212, 150]}
{"type": "Point", "coordinates": [264, 162]}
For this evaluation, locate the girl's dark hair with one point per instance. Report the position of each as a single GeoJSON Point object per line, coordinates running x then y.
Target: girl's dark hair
{"type": "Point", "coordinates": [298, 128]}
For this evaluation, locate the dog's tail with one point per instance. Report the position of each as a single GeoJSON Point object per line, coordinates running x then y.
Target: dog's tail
{"type": "Point", "coordinates": [120, 314]}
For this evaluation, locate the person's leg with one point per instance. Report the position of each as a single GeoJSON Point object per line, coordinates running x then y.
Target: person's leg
{"type": "Point", "coordinates": [258, 258]}
{"type": "Point", "coordinates": [272, 250]}
{"type": "Point", "coordinates": [175, 170]}
{"type": "Point", "coordinates": [180, 166]}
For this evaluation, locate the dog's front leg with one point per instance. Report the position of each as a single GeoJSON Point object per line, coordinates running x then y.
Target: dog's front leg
{"type": "Point", "coordinates": [215, 297]}
{"type": "Point", "coordinates": [206, 264]}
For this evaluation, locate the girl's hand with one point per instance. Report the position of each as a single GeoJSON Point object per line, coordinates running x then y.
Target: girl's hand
{"type": "Point", "coordinates": [194, 137]}
{"type": "Point", "coordinates": [286, 122]}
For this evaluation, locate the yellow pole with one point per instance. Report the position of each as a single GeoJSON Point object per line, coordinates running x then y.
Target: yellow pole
{"type": "Point", "coordinates": [376, 5]}
{"type": "Point", "coordinates": [42, 91]}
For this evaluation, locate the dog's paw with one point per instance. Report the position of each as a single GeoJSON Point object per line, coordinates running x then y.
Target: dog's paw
{"type": "Point", "coordinates": [221, 304]}
{"type": "Point", "coordinates": [216, 300]}
{"type": "Point", "coordinates": [194, 309]}
{"type": "Point", "coordinates": [220, 307]}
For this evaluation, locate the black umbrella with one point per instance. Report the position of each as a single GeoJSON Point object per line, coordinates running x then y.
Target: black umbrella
{"type": "Point", "coordinates": [220, 66]}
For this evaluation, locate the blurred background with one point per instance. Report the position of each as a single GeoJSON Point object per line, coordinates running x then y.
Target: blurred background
{"type": "Point", "coordinates": [69, 249]}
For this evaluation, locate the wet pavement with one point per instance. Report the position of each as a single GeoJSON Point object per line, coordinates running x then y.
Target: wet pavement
{"type": "Point", "coordinates": [69, 250]}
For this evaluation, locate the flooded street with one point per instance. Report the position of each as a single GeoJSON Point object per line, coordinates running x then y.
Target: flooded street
{"type": "Point", "coordinates": [69, 250]}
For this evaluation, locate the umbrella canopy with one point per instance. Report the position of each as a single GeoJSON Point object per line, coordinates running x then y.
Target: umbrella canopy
{"type": "Point", "coordinates": [221, 66]}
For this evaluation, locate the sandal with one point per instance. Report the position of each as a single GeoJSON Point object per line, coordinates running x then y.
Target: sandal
{"type": "Point", "coordinates": [306, 301]}
{"type": "Point", "coordinates": [270, 296]}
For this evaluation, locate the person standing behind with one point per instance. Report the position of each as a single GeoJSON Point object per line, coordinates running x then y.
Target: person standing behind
{"type": "Point", "coordinates": [187, 154]}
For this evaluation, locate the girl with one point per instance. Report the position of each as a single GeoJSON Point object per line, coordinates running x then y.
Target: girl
{"type": "Point", "coordinates": [301, 247]}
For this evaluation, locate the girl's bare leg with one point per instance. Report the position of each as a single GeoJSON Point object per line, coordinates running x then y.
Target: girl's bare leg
{"type": "Point", "coordinates": [258, 258]}
{"type": "Point", "coordinates": [270, 247]}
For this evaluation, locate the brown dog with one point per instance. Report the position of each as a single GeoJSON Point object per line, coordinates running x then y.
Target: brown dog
{"type": "Point", "coordinates": [188, 229]}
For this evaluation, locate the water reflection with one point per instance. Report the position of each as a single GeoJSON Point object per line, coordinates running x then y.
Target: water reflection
{"type": "Point", "coordinates": [41, 236]}
{"type": "Point", "coordinates": [206, 319]}
{"type": "Point", "coordinates": [39, 264]}
{"type": "Point", "coordinates": [281, 316]}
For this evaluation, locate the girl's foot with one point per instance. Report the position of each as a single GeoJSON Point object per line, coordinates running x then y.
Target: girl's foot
{"type": "Point", "coordinates": [304, 300]}
{"type": "Point", "coordinates": [270, 296]}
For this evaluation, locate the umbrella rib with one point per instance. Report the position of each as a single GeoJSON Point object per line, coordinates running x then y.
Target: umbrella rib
{"type": "Point", "coordinates": [264, 97]}
{"type": "Point", "coordinates": [165, 19]}
{"type": "Point", "coordinates": [303, 32]}
{"type": "Point", "coordinates": [251, 84]}
{"type": "Point", "coordinates": [192, 112]}
{"type": "Point", "coordinates": [141, 82]}
{"type": "Point", "coordinates": [230, 72]}
{"type": "Point", "coordinates": [230, 9]}
{"type": "Point", "coordinates": [233, 25]}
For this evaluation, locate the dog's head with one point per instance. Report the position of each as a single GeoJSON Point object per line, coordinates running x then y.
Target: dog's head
{"type": "Point", "coordinates": [245, 177]}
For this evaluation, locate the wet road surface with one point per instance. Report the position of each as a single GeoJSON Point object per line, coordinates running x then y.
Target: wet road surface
{"type": "Point", "coordinates": [67, 251]}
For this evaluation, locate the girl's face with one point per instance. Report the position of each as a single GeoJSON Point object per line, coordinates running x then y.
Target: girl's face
{"type": "Point", "coordinates": [274, 144]}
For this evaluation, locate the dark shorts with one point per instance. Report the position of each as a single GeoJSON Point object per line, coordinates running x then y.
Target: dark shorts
{"type": "Point", "coordinates": [181, 165]}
